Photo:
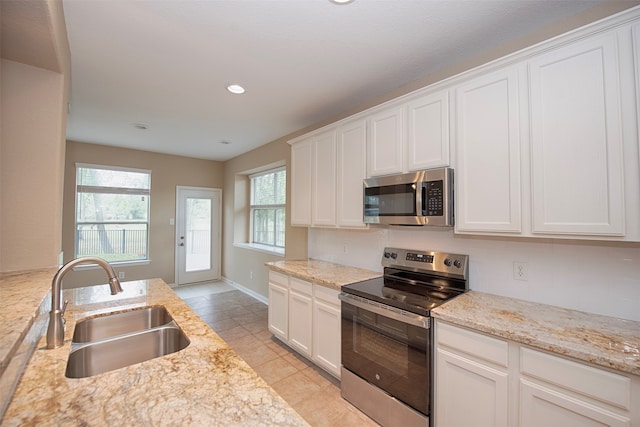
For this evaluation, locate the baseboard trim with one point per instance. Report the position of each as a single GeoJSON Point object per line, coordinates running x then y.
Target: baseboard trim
{"type": "Point", "coordinates": [246, 290]}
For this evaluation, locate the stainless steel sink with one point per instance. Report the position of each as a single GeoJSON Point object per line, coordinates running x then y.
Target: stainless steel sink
{"type": "Point", "coordinates": [111, 325]}
{"type": "Point", "coordinates": [103, 344]}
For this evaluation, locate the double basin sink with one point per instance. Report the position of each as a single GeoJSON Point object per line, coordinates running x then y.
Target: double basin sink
{"type": "Point", "coordinates": [116, 340]}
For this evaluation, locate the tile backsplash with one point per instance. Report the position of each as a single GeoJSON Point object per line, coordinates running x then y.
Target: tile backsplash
{"type": "Point", "coordinates": [596, 277]}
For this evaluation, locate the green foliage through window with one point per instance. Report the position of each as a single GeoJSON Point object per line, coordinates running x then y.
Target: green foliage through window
{"type": "Point", "coordinates": [268, 201]}
{"type": "Point", "coordinates": [112, 213]}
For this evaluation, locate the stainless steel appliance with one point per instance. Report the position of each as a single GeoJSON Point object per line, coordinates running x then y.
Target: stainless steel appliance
{"type": "Point", "coordinates": [417, 198]}
{"type": "Point", "coordinates": [386, 334]}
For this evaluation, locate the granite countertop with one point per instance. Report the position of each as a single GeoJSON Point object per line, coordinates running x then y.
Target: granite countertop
{"type": "Point", "coordinates": [21, 295]}
{"type": "Point", "coordinates": [207, 383]}
{"type": "Point", "coordinates": [601, 340]}
{"type": "Point", "coordinates": [322, 272]}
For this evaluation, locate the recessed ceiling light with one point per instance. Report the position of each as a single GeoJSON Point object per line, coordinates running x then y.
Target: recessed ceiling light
{"type": "Point", "coordinates": [237, 89]}
{"type": "Point", "coordinates": [141, 126]}
{"type": "Point", "coordinates": [340, 1]}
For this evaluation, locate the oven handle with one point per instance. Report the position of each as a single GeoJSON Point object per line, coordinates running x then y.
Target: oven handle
{"type": "Point", "coordinates": [387, 311]}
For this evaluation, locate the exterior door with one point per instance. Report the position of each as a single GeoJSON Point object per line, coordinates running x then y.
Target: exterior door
{"type": "Point", "coordinates": [198, 212]}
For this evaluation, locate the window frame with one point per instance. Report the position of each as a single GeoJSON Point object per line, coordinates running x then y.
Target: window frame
{"type": "Point", "coordinates": [253, 207]}
{"type": "Point", "coordinates": [110, 190]}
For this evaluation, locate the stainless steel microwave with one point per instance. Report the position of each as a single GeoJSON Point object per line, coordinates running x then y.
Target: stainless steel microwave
{"type": "Point", "coordinates": [417, 198]}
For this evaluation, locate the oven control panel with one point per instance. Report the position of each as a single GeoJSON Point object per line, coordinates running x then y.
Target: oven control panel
{"type": "Point", "coordinates": [430, 261]}
{"type": "Point", "coordinates": [419, 257]}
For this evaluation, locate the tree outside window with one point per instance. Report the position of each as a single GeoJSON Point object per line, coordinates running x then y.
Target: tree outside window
{"type": "Point", "coordinates": [268, 202]}
{"type": "Point", "coordinates": [112, 213]}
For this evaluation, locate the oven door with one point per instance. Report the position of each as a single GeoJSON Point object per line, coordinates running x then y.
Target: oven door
{"type": "Point", "coordinates": [387, 349]}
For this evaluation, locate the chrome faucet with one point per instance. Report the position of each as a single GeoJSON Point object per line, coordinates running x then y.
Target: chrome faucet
{"type": "Point", "coordinates": [55, 331]}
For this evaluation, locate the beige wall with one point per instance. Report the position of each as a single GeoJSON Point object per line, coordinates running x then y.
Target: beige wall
{"type": "Point", "coordinates": [166, 173]}
{"type": "Point", "coordinates": [240, 264]}
{"type": "Point", "coordinates": [31, 166]}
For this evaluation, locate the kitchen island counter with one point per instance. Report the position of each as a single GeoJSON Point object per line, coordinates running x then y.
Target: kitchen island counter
{"type": "Point", "coordinates": [323, 273]}
{"type": "Point", "coordinates": [601, 340]}
{"type": "Point", "coordinates": [206, 383]}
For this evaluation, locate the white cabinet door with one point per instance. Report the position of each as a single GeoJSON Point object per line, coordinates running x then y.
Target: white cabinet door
{"type": "Point", "coordinates": [488, 195]}
{"type": "Point", "coordinates": [324, 179]}
{"type": "Point", "coordinates": [386, 141]}
{"type": "Point", "coordinates": [326, 336]}
{"type": "Point", "coordinates": [576, 143]}
{"type": "Point", "coordinates": [300, 315]}
{"type": "Point", "coordinates": [468, 393]}
{"type": "Point", "coordinates": [543, 406]}
{"type": "Point", "coordinates": [352, 140]}
{"type": "Point", "coordinates": [301, 182]}
{"type": "Point", "coordinates": [428, 131]}
{"type": "Point", "coordinates": [278, 305]}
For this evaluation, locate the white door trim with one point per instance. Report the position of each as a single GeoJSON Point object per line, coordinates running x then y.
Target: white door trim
{"type": "Point", "coordinates": [216, 245]}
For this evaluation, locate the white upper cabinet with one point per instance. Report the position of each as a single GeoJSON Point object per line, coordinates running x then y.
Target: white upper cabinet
{"type": "Point", "coordinates": [409, 136]}
{"type": "Point", "coordinates": [488, 196]}
{"type": "Point", "coordinates": [576, 140]}
{"type": "Point", "coordinates": [428, 131]}
{"type": "Point", "coordinates": [326, 177]}
{"type": "Point", "coordinates": [323, 196]}
{"type": "Point", "coordinates": [301, 181]}
{"type": "Point", "coordinates": [352, 140]}
{"type": "Point", "coordinates": [386, 141]}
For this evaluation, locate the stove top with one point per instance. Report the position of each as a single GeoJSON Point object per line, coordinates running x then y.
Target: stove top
{"type": "Point", "coordinates": [415, 281]}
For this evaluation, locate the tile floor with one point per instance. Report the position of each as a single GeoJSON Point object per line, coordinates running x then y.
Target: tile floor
{"type": "Point", "coordinates": [242, 322]}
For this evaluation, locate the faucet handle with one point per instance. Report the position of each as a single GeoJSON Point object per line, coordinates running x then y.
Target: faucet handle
{"type": "Point", "coordinates": [64, 307]}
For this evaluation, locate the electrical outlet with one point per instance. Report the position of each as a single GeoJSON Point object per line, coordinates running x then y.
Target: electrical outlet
{"type": "Point", "coordinates": [120, 274]}
{"type": "Point", "coordinates": [520, 271]}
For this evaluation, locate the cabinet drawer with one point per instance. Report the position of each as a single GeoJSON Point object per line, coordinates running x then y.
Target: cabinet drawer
{"type": "Point", "coordinates": [592, 382]}
{"type": "Point", "coordinates": [279, 279]}
{"type": "Point", "coordinates": [478, 345]}
{"type": "Point", "coordinates": [327, 295]}
{"type": "Point", "coordinates": [300, 286]}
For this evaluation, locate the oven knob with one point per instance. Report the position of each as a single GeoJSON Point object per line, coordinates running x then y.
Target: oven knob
{"type": "Point", "coordinates": [457, 263]}
{"type": "Point", "coordinates": [394, 255]}
{"type": "Point", "coordinates": [387, 254]}
{"type": "Point", "coordinates": [447, 262]}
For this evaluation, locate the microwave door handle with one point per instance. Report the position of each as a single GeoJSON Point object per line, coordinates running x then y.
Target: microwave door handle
{"type": "Point", "coordinates": [419, 199]}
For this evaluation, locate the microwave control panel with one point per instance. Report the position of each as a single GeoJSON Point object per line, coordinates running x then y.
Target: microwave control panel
{"type": "Point", "coordinates": [434, 198]}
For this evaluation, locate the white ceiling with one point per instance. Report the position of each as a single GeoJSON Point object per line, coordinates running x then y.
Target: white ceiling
{"type": "Point", "coordinates": [166, 63]}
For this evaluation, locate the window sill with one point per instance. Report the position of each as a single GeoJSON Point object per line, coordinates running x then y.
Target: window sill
{"type": "Point", "coordinates": [113, 264]}
{"type": "Point", "coordinates": [261, 248]}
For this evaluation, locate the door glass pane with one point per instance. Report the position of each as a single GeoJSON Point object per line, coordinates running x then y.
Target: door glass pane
{"type": "Point", "coordinates": [198, 235]}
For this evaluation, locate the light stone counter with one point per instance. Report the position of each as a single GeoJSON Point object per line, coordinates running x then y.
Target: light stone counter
{"type": "Point", "coordinates": [21, 295]}
{"type": "Point", "coordinates": [601, 340]}
{"type": "Point", "coordinates": [322, 272]}
{"type": "Point", "coordinates": [207, 383]}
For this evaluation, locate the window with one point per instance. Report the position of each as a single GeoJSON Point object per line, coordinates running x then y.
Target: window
{"type": "Point", "coordinates": [112, 213]}
{"type": "Point", "coordinates": [268, 201]}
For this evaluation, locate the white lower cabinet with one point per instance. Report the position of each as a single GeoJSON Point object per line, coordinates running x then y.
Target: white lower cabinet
{"type": "Point", "coordinates": [543, 406]}
{"type": "Point", "coordinates": [300, 315]}
{"type": "Point", "coordinates": [472, 387]}
{"type": "Point", "coordinates": [482, 380]}
{"type": "Point", "coordinates": [306, 316]}
{"type": "Point", "coordinates": [279, 305]}
{"type": "Point", "coordinates": [326, 329]}
{"type": "Point", "coordinates": [557, 391]}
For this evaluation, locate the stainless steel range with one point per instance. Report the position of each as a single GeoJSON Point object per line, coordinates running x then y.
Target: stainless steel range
{"type": "Point", "coordinates": [386, 334]}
